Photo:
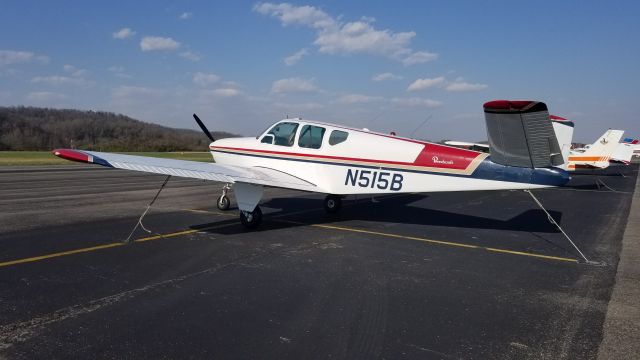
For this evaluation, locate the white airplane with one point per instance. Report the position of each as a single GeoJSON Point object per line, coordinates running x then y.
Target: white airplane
{"type": "Point", "coordinates": [326, 158]}
{"type": "Point", "coordinates": [596, 155]}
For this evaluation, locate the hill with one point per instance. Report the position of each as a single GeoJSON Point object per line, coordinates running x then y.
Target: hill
{"type": "Point", "coordinates": [29, 128]}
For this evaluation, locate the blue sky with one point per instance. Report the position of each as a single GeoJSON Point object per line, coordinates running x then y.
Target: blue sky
{"type": "Point", "coordinates": [386, 66]}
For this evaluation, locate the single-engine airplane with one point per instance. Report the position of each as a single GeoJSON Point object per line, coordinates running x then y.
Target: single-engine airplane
{"type": "Point", "coordinates": [596, 155]}
{"type": "Point", "coordinates": [319, 157]}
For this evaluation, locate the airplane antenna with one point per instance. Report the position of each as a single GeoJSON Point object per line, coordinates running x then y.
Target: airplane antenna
{"type": "Point", "coordinates": [204, 128]}
{"type": "Point", "coordinates": [419, 126]}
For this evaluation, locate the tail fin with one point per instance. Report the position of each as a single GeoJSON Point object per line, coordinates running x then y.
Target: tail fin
{"type": "Point", "coordinates": [599, 153]}
{"type": "Point", "coordinates": [520, 134]}
{"type": "Point", "coordinates": [563, 129]}
{"type": "Point", "coordinates": [623, 153]}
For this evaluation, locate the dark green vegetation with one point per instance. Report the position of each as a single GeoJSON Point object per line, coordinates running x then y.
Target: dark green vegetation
{"type": "Point", "coordinates": [38, 129]}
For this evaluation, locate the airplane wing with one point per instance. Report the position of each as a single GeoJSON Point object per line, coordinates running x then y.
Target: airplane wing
{"type": "Point", "coordinates": [189, 169]}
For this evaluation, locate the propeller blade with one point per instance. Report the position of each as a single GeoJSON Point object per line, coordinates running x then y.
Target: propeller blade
{"type": "Point", "coordinates": [204, 128]}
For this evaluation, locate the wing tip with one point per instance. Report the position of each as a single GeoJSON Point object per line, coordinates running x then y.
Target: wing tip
{"type": "Point", "coordinates": [73, 155]}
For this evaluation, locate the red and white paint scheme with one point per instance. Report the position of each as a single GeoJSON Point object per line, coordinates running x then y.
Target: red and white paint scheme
{"type": "Point", "coordinates": [319, 157]}
{"type": "Point", "coordinates": [596, 155]}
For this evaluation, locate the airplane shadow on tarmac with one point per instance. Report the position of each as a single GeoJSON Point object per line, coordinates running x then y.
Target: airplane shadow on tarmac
{"type": "Point", "coordinates": [393, 209]}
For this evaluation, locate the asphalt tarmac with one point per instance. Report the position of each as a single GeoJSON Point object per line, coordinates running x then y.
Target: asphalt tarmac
{"type": "Point", "coordinates": [477, 275]}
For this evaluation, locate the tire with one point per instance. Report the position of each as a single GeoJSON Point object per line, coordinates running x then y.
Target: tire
{"type": "Point", "coordinates": [251, 220]}
{"type": "Point", "coordinates": [223, 203]}
{"type": "Point", "coordinates": [332, 204]}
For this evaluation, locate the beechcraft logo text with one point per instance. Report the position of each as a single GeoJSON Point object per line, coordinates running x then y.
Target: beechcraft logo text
{"type": "Point", "coordinates": [438, 161]}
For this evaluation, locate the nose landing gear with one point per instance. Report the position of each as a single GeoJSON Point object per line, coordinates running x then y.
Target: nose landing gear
{"type": "Point", "coordinates": [223, 202]}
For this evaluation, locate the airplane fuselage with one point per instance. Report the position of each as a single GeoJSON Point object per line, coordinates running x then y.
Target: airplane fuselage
{"type": "Point", "coordinates": [341, 160]}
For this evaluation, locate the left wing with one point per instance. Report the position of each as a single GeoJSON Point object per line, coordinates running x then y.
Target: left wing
{"type": "Point", "coordinates": [189, 169]}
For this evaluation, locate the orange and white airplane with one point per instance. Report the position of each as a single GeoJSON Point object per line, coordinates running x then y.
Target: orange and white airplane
{"type": "Point", "coordinates": [596, 155]}
{"type": "Point", "coordinates": [336, 160]}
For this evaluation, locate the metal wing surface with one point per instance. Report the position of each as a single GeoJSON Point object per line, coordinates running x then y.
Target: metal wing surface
{"type": "Point", "coordinates": [189, 169]}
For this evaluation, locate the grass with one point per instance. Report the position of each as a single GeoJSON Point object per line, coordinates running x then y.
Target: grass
{"type": "Point", "coordinates": [22, 158]}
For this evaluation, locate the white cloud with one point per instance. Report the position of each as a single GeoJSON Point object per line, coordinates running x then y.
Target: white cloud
{"type": "Point", "coordinates": [296, 15]}
{"type": "Point", "coordinates": [185, 16]}
{"type": "Point", "coordinates": [118, 71]}
{"type": "Point", "coordinates": [357, 98]}
{"type": "Point", "coordinates": [385, 76]}
{"type": "Point", "coordinates": [8, 57]}
{"type": "Point", "coordinates": [298, 106]}
{"type": "Point", "coordinates": [226, 92]}
{"type": "Point", "coordinates": [128, 95]}
{"type": "Point", "coordinates": [336, 37]}
{"type": "Point", "coordinates": [462, 86]}
{"type": "Point", "coordinates": [45, 96]}
{"type": "Point", "coordinates": [419, 57]}
{"type": "Point", "coordinates": [293, 59]}
{"type": "Point", "coordinates": [189, 55]}
{"type": "Point", "coordinates": [293, 85]}
{"type": "Point", "coordinates": [150, 43]}
{"type": "Point", "coordinates": [204, 79]}
{"type": "Point", "coordinates": [74, 71]}
{"type": "Point", "coordinates": [422, 84]}
{"type": "Point", "coordinates": [60, 80]}
{"type": "Point", "coordinates": [416, 102]}
{"type": "Point", "coordinates": [123, 33]}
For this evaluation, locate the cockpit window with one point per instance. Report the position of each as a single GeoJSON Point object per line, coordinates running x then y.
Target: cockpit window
{"type": "Point", "coordinates": [337, 137]}
{"type": "Point", "coordinates": [311, 137]}
{"type": "Point", "coordinates": [283, 134]}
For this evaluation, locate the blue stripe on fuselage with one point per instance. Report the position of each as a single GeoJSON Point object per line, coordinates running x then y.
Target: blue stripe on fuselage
{"type": "Point", "coordinates": [486, 170]}
{"type": "Point", "coordinates": [551, 176]}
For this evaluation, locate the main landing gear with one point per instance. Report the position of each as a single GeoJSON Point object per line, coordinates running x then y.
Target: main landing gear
{"type": "Point", "coordinates": [223, 202]}
{"type": "Point", "coordinates": [332, 203]}
{"type": "Point", "coordinates": [251, 219]}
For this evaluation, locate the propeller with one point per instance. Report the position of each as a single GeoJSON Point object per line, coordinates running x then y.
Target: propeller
{"type": "Point", "coordinates": [204, 128]}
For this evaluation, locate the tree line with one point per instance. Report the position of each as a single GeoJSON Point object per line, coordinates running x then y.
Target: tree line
{"type": "Point", "coordinates": [31, 128]}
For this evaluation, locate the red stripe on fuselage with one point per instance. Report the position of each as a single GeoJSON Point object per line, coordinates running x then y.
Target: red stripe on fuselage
{"type": "Point", "coordinates": [446, 157]}
{"type": "Point", "coordinates": [432, 155]}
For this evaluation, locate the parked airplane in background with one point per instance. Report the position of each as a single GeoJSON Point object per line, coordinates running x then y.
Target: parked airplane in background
{"type": "Point", "coordinates": [622, 154]}
{"type": "Point", "coordinates": [319, 157]}
{"type": "Point", "coordinates": [634, 144]}
{"type": "Point", "coordinates": [468, 145]}
{"type": "Point", "coordinates": [596, 155]}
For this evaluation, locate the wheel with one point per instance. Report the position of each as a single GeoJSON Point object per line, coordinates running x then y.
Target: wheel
{"type": "Point", "coordinates": [223, 203]}
{"type": "Point", "coordinates": [332, 204]}
{"type": "Point", "coordinates": [251, 219]}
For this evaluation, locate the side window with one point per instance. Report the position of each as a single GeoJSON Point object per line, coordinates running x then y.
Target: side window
{"type": "Point", "coordinates": [283, 134]}
{"type": "Point", "coordinates": [337, 137]}
{"type": "Point", "coordinates": [311, 137]}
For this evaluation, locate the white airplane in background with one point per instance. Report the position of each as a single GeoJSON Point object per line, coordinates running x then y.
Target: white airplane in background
{"type": "Point", "coordinates": [468, 145]}
{"type": "Point", "coordinates": [622, 154]}
{"type": "Point", "coordinates": [634, 144]}
{"type": "Point", "coordinates": [596, 155]}
{"type": "Point", "coordinates": [326, 158]}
